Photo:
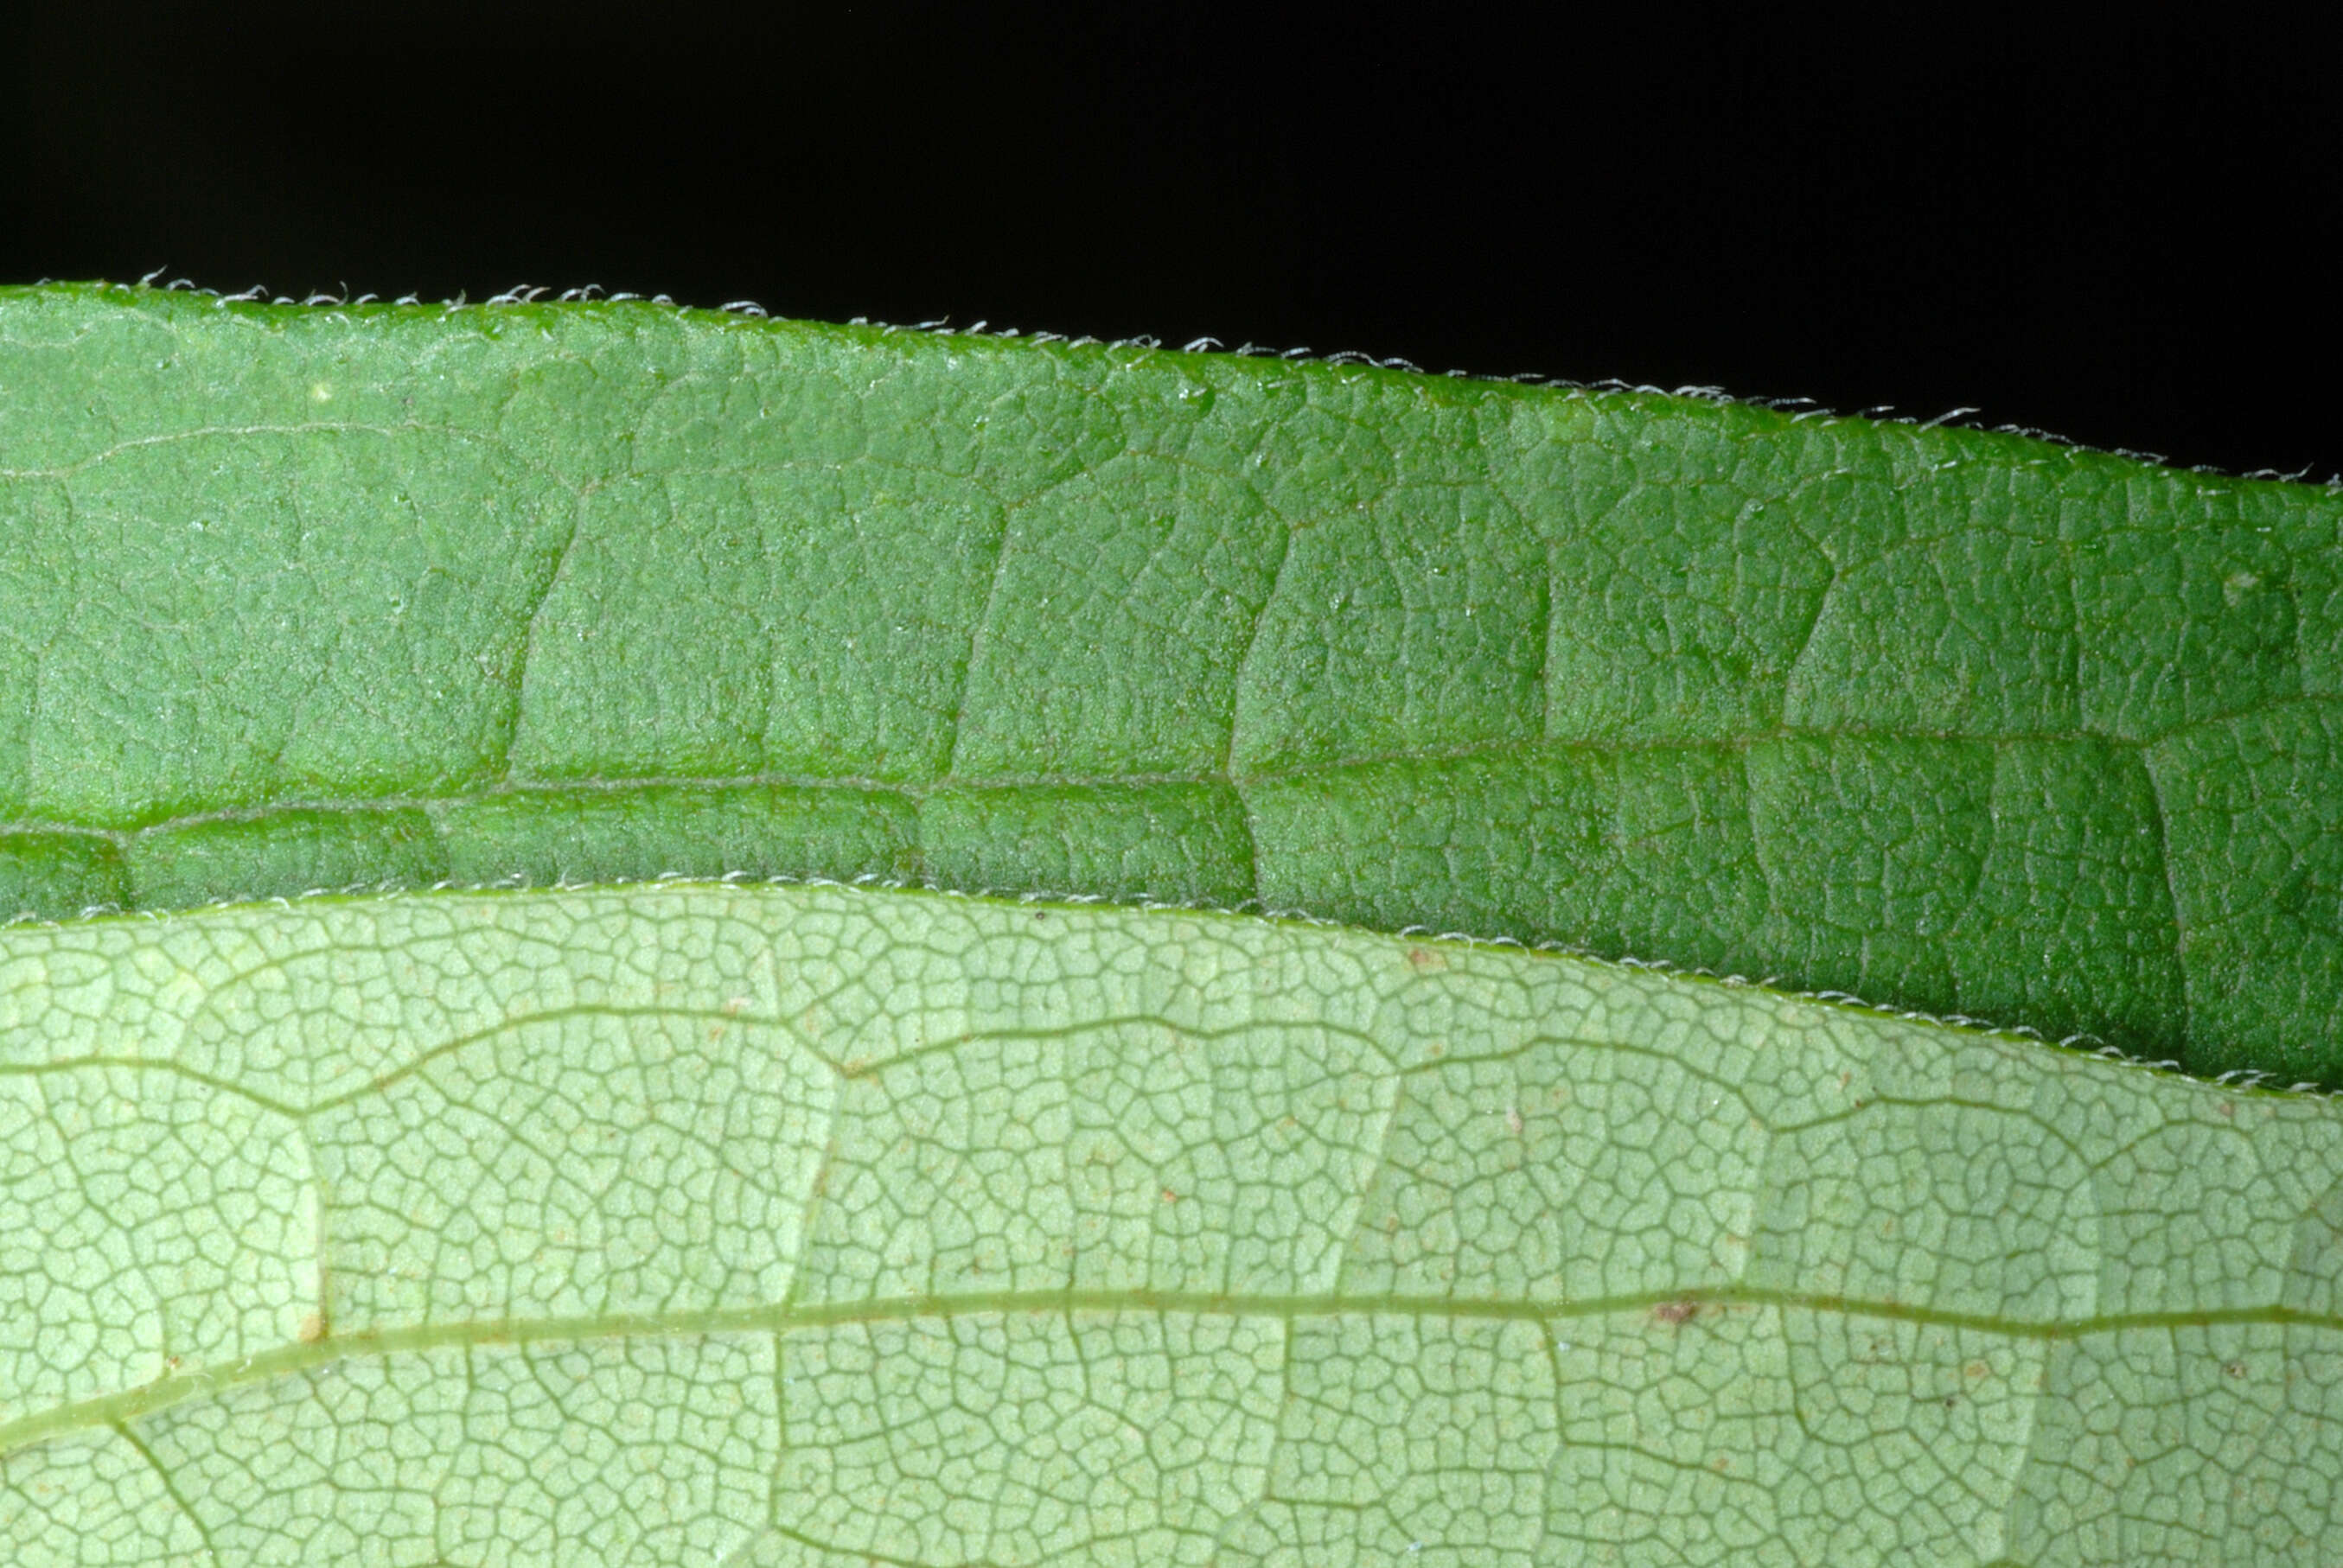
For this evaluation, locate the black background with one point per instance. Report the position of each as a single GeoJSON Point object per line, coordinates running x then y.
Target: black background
{"type": "Point", "coordinates": [2119, 234]}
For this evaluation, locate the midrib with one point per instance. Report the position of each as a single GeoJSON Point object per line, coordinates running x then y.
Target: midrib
{"type": "Point", "coordinates": [130, 1404]}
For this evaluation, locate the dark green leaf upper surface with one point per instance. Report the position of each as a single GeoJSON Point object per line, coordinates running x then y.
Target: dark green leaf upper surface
{"type": "Point", "coordinates": [301, 598]}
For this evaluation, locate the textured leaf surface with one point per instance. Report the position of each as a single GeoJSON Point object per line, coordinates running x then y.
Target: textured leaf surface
{"type": "Point", "coordinates": [809, 1226]}
{"type": "Point", "coordinates": [298, 597]}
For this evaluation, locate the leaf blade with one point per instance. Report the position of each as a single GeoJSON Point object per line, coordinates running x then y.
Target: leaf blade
{"type": "Point", "coordinates": [1256, 1178]}
{"type": "Point", "coordinates": [1620, 657]}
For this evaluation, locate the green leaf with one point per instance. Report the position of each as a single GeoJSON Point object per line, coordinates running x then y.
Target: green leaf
{"type": "Point", "coordinates": [1949, 719]}
{"type": "Point", "coordinates": [817, 1226]}
{"type": "Point", "coordinates": [763, 1225]}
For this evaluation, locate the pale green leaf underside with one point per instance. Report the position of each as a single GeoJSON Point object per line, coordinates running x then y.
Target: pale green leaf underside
{"type": "Point", "coordinates": [808, 1226]}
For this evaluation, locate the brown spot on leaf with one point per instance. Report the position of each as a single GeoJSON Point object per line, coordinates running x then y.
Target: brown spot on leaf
{"type": "Point", "coordinates": [312, 1329]}
{"type": "Point", "coordinates": [1674, 1313]}
{"type": "Point", "coordinates": [1422, 959]}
